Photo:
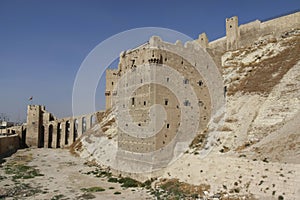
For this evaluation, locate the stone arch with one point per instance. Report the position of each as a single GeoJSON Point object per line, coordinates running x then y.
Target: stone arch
{"type": "Point", "coordinates": [92, 120]}
{"type": "Point", "coordinates": [58, 138]}
{"type": "Point", "coordinates": [75, 130]}
{"type": "Point", "coordinates": [83, 124]}
{"type": "Point", "coordinates": [50, 136]}
{"type": "Point", "coordinates": [41, 137]}
{"type": "Point", "coordinates": [67, 132]}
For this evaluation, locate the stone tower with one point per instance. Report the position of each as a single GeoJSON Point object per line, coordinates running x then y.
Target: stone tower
{"type": "Point", "coordinates": [111, 81]}
{"type": "Point", "coordinates": [232, 33]}
{"type": "Point", "coordinates": [34, 132]}
{"type": "Point", "coordinates": [203, 40]}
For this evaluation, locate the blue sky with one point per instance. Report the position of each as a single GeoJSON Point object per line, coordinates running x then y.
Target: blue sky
{"type": "Point", "coordinates": [44, 42]}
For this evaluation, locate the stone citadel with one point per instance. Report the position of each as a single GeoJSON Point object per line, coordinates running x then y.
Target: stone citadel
{"type": "Point", "coordinates": [43, 129]}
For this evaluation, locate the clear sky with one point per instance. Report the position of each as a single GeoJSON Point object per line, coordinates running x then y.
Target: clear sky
{"type": "Point", "coordinates": [44, 42]}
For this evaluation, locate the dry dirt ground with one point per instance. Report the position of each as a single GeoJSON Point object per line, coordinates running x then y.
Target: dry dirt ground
{"type": "Point", "coordinates": [59, 175]}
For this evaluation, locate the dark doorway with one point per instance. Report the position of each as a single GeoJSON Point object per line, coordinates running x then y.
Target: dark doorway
{"type": "Point", "coordinates": [67, 131]}
{"type": "Point", "coordinates": [23, 141]}
{"type": "Point", "coordinates": [50, 136]}
{"type": "Point", "coordinates": [75, 130]}
{"type": "Point", "coordinates": [58, 136]}
{"type": "Point", "coordinates": [41, 137]}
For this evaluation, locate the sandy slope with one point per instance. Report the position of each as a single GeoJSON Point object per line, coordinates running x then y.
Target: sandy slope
{"type": "Point", "coordinates": [64, 174]}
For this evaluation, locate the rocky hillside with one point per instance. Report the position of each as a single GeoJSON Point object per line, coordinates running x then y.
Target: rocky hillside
{"type": "Point", "coordinates": [257, 151]}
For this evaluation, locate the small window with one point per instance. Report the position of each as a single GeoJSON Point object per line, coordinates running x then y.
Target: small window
{"type": "Point", "coordinates": [168, 79]}
{"type": "Point", "coordinates": [112, 83]}
{"type": "Point", "coordinates": [168, 125]}
{"type": "Point", "coordinates": [145, 103]}
{"type": "Point", "coordinates": [200, 83]}
{"type": "Point", "coordinates": [166, 102]}
{"type": "Point", "coordinates": [132, 101]}
{"type": "Point", "coordinates": [186, 81]}
{"type": "Point", "coordinates": [186, 103]}
{"type": "Point", "coordinates": [200, 103]}
{"type": "Point", "coordinates": [139, 124]}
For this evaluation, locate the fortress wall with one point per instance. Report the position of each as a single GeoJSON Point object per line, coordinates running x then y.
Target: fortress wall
{"type": "Point", "coordinates": [218, 44]}
{"type": "Point", "coordinates": [9, 145]}
{"type": "Point", "coordinates": [249, 33]}
{"type": "Point", "coordinates": [216, 50]}
{"type": "Point", "coordinates": [281, 24]}
{"type": "Point", "coordinates": [45, 130]}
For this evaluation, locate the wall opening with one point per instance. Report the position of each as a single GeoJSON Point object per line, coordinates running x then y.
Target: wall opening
{"type": "Point", "coordinates": [23, 141]}
{"type": "Point", "coordinates": [186, 103]}
{"type": "Point", "coordinates": [92, 120]}
{"type": "Point", "coordinates": [58, 137]}
{"type": "Point", "coordinates": [168, 125]}
{"type": "Point", "coordinates": [132, 101]}
{"type": "Point", "coordinates": [75, 134]}
{"type": "Point", "coordinates": [50, 136]}
{"type": "Point", "coordinates": [166, 102]}
{"type": "Point", "coordinates": [67, 132]}
{"type": "Point", "coordinates": [83, 124]}
{"type": "Point", "coordinates": [145, 103]}
{"type": "Point", "coordinates": [41, 137]}
{"type": "Point", "coordinates": [186, 81]}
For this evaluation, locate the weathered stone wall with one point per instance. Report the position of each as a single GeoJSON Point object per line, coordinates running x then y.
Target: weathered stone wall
{"type": "Point", "coordinates": [252, 31]}
{"type": "Point", "coordinates": [150, 94]}
{"type": "Point", "coordinates": [9, 144]}
{"type": "Point", "coordinates": [239, 36]}
{"type": "Point", "coordinates": [169, 75]}
{"type": "Point", "coordinates": [247, 34]}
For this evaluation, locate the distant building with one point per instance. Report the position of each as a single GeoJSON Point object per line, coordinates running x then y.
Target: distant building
{"type": "Point", "coordinates": [4, 125]}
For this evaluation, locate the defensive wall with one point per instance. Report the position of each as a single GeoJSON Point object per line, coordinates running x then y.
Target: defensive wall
{"type": "Point", "coordinates": [9, 144]}
{"type": "Point", "coordinates": [45, 130]}
{"type": "Point", "coordinates": [244, 35]}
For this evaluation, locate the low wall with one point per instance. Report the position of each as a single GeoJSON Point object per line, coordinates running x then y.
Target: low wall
{"type": "Point", "coordinates": [9, 145]}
